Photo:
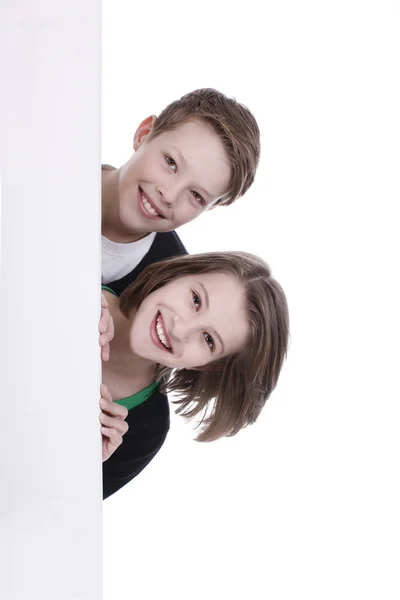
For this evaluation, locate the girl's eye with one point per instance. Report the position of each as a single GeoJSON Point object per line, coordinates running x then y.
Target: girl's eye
{"type": "Point", "coordinates": [171, 163]}
{"type": "Point", "coordinates": [209, 341]}
{"type": "Point", "coordinates": [196, 300]}
{"type": "Point", "coordinates": [198, 198]}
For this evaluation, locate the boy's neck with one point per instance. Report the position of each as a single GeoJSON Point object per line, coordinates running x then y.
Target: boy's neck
{"type": "Point", "coordinates": [111, 226]}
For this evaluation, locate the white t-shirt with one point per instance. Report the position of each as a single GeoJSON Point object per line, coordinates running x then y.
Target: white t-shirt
{"type": "Point", "coordinates": [117, 260]}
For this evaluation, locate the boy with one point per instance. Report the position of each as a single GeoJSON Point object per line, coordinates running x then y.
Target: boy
{"type": "Point", "coordinates": [202, 151]}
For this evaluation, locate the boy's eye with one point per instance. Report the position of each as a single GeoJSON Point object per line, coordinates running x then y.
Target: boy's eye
{"type": "Point", "coordinates": [171, 163]}
{"type": "Point", "coordinates": [198, 198]}
{"type": "Point", "coordinates": [209, 340]}
{"type": "Point", "coordinates": [196, 300]}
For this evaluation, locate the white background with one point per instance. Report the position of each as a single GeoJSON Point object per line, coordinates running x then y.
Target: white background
{"type": "Point", "coordinates": [305, 502]}
{"type": "Point", "coordinates": [50, 369]}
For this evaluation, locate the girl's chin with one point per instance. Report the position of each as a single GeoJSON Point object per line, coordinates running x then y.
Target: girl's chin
{"type": "Point", "coordinates": [141, 353]}
{"type": "Point", "coordinates": [166, 363]}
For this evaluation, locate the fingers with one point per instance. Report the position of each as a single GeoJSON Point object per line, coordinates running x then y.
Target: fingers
{"type": "Point", "coordinates": [105, 338]}
{"type": "Point", "coordinates": [106, 329]}
{"type": "Point", "coordinates": [105, 392]}
{"type": "Point", "coordinates": [115, 423]}
{"type": "Point", "coordinates": [108, 406]}
{"type": "Point", "coordinates": [111, 440]}
{"type": "Point", "coordinates": [104, 303]}
{"type": "Point", "coordinates": [114, 437]}
{"type": "Point", "coordinates": [104, 318]}
{"type": "Point", "coordinates": [105, 353]}
{"type": "Point", "coordinates": [106, 323]}
{"type": "Point", "coordinates": [114, 410]}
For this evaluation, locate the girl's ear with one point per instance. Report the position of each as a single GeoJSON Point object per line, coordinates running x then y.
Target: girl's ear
{"type": "Point", "coordinates": [143, 131]}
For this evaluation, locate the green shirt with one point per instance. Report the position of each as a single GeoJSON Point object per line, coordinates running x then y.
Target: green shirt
{"type": "Point", "coordinates": [133, 401]}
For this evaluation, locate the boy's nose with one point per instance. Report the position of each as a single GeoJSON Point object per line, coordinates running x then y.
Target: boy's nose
{"type": "Point", "coordinates": [167, 195]}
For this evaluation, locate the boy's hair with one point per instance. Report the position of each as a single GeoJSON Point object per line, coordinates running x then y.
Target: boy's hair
{"type": "Point", "coordinates": [234, 389]}
{"type": "Point", "coordinates": [232, 122]}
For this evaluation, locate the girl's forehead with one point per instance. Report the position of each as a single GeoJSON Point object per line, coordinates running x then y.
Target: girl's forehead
{"type": "Point", "coordinates": [212, 278]}
{"type": "Point", "coordinates": [213, 285]}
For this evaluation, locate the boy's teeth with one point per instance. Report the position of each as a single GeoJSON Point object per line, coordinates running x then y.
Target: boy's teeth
{"type": "Point", "coordinates": [149, 207]}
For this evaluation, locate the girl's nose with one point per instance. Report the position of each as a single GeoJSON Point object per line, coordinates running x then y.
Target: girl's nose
{"type": "Point", "coordinates": [179, 330]}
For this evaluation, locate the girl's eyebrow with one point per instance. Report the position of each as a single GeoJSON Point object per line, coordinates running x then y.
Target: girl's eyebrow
{"type": "Point", "coordinates": [183, 160]}
{"type": "Point", "coordinates": [208, 308]}
{"type": "Point", "coordinates": [205, 294]}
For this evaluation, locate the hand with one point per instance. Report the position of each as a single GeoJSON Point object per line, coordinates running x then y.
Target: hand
{"type": "Point", "coordinates": [106, 329]}
{"type": "Point", "coordinates": [114, 426]}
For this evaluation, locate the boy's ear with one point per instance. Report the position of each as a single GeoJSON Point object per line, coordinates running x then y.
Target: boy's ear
{"type": "Point", "coordinates": [143, 131]}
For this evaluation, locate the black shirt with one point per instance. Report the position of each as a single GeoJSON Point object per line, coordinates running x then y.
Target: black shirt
{"type": "Point", "coordinates": [148, 427]}
{"type": "Point", "coordinates": [149, 422]}
{"type": "Point", "coordinates": [164, 245]}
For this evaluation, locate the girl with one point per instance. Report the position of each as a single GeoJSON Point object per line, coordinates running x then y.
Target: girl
{"type": "Point", "coordinates": [212, 328]}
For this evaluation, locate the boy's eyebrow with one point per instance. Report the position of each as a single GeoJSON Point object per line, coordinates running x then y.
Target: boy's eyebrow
{"type": "Point", "coordinates": [180, 155]}
{"type": "Point", "coordinates": [183, 160]}
{"type": "Point", "coordinates": [208, 308]}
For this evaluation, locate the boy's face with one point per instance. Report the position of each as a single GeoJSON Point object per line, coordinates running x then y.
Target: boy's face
{"type": "Point", "coordinates": [172, 178]}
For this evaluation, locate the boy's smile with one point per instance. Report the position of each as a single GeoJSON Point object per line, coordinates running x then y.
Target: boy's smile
{"type": "Point", "coordinates": [169, 181]}
{"type": "Point", "coordinates": [148, 206]}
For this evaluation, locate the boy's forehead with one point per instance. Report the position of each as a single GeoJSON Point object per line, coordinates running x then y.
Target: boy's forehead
{"type": "Point", "coordinates": [189, 131]}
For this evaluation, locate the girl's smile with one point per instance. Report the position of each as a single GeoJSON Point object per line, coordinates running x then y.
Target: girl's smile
{"type": "Point", "coordinates": [158, 334]}
{"type": "Point", "coordinates": [191, 321]}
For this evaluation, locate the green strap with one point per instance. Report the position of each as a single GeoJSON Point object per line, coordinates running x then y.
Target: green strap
{"type": "Point", "coordinates": [104, 287]}
{"type": "Point", "coordinates": [140, 397]}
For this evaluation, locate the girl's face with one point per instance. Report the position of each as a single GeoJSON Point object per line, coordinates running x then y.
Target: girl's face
{"type": "Point", "coordinates": [191, 321]}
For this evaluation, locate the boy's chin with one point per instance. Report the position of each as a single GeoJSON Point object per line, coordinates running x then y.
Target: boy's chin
{"type": "Point", "coordinates": [142, 227]}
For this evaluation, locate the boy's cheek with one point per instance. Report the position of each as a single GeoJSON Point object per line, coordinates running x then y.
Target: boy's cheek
{"type": "Point", "coordinates": [187, 216]}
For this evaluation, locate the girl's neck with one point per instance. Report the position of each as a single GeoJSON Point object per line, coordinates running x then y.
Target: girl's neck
{"type": "Point", "coordinates": [125, 373]}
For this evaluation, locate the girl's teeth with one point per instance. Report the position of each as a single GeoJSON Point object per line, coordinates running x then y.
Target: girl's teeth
{"type": "Point", "coordinates": [161, 335]}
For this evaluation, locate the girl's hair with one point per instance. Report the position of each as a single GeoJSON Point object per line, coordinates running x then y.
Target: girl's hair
{"type": "Point", "coordinates": [229, 392]}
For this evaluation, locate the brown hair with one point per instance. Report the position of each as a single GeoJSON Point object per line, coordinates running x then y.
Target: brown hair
{"type": "Point", "coordinates": [232, 122]}
{"type": "Point", "coordinates": [234, 389]}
